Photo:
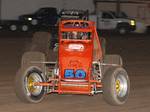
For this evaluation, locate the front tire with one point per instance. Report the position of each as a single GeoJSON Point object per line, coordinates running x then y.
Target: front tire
{"type": "Point", "coordinates": [24, 83]}
{"type": "Point", "coordinates": [116, 86]}
{"type": "Point", "coordinates": [24, 28]}
{"type": "Point", "coordinates": [123, 30]}
{"type": "Point", "coordinates": [13, 27]}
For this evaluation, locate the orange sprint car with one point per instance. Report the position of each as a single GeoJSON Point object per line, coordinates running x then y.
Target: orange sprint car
{"type": "Point", "coordinates": [82, 67]}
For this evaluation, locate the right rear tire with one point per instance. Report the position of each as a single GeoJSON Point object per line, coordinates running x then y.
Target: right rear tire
{"type": "Point", "coordinates": [41, 42]}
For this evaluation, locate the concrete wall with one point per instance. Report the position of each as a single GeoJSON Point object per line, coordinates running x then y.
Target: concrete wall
{"type": "Point", "coordinates": [138, 11]}
{"type": "Point", "coordinates": [105, 6]}
{"type": "Point", "coordinates": [11, 9]}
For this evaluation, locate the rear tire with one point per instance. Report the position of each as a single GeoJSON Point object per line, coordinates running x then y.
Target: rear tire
{"type": "Point", "coordinates": [41, 42]}
{"type": "Point", "coordinates": [103, 46]}
{"type": "Point", "coordinates": [111, 59]}
{"type": "Point", "coordinates": [116, 86]}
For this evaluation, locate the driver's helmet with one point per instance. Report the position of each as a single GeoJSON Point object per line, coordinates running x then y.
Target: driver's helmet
{"type": "Point", "coordinates": [75, 35]}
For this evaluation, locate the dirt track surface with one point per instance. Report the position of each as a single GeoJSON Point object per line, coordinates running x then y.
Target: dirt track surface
{"type": "Point", "coordinates": [135, 51]}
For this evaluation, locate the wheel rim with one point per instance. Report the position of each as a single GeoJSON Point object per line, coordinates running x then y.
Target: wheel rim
{"type": "Point", "coordinates": [13, 27]}
{"type": "Point", "coordinates": [34, 22]}
{"type": "Point", "coordinates": [30, 81]}
{"type": "Point", "coordinates": [121, 86]}
{"type": "Point", "coordinates": [122, 31]}
{"type": "Point", "coordinates": [24, 28]}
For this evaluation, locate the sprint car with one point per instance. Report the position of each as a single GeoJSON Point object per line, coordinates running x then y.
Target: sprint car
{"type": "Point", "coordinates": [80, 67]}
